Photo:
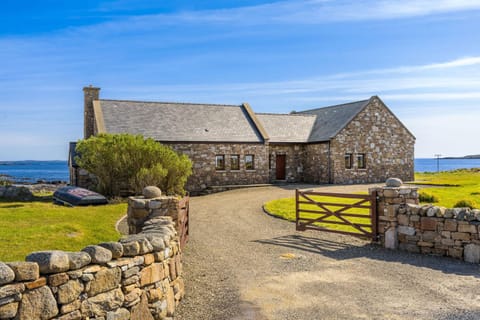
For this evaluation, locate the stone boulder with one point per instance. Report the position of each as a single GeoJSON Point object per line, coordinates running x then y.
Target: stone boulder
{"type": "Point", "coordinates": [393, 182]}
{"type": "Point", "coordinates": [8, 310]}
{"type": "Point", "coordinates": [151, 192]}
{"type": "Point", "coordinates": [50, 261]}
{"type": "Point", "coordinates": [98, 254]}
{"type": "Point", "coordinates": [69, 292]}
{"type": "Point", "coordinates": [17, 193]}
{"type": "Point", "coordinates": [115, 247]}
{"type": "Point", "coordinates": [25, 271]}
{"type": "Point", "coordinates": [78, 260]}
{"type": "Point", "coordinates": [99, 305]}
{"type": "Point", "coordinates": [6, 274]}
{"type": "Point", "coordinates": [472, 253]}
{"type": "Point", "coordinates": [38, 304]}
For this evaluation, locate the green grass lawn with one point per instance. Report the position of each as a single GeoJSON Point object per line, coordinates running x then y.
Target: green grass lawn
{"type": "Point", "coordinates": [40, 225]}
{"type": "Point", "coordinates": [462, 185]}
{"type": "Point", "coordinates": [452, 186]}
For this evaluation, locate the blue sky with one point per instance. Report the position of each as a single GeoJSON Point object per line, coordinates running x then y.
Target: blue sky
{"type": "Point", "coordinates": [421, 57]}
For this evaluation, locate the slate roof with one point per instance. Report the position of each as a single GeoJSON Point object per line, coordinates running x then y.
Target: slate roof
{"type": "Point", "coordinates": [191, 122]}
{"type": "Point", "coordinates": [287, 127]}
{"type": "Point", "coordinates": [330, 120]}
{"type": "Point", "coordinates": [180, 122]}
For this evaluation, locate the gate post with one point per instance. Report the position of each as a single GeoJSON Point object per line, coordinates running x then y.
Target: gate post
{"type": "Point", "coordinates": [391, 200]}
{"type": "Point", "coordinates": [374, 213]}
{"type": "Point", "coordinates": [296, 210]}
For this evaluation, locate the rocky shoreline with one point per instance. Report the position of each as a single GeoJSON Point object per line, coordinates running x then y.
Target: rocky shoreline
{"type": "Point", "coordinates": [42, 187]}
{"type": "Point", "coordinates": [26, 192]}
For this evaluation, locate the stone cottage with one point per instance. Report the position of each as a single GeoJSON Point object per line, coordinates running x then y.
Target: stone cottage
{"type": "Point", "coordinates": [358, 142]}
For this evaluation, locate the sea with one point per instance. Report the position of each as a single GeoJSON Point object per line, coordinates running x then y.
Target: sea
{"type": "Point", "coordinates": [432, 165]}
{"type": "Point", "coordinates": [54, 171]}
{"type": "Point", "coordinates": [29, 171]}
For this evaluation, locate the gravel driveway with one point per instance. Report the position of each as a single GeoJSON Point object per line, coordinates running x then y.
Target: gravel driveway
{"type": "Point", "coordinates": [243, 264]}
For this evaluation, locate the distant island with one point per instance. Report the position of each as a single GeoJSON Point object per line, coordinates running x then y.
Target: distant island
{"type": "Point", "coordinates": [472, 156]}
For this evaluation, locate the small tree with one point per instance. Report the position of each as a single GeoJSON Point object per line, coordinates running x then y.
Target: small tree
{"type": "Point", "coordinates": [130, 161]}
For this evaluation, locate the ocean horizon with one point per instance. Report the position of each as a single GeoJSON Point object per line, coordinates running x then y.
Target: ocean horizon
{"type": "Point", "coordinates": [33, 171]}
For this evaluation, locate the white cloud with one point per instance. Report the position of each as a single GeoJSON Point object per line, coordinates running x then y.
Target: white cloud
{"type": "Point", "coordinates": [456, 63]}
{"type": "Point", "coordinates": [283, 12]}
{"type": "Point", "coordinates": [458, 79]}
{"type": "Point", "coordinates": [322, 11]}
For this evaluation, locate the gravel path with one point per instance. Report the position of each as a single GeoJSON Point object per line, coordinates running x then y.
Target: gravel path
{"type": "Point", "coordinates": [243, 264]}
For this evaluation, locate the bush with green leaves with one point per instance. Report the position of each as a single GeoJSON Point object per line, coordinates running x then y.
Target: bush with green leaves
{"type": "Point", "coordinates": [131, 162]}
{"type": "Point", "coordinates": [465, 204]}
{"type": "Point", "coordinates": [426, 197]}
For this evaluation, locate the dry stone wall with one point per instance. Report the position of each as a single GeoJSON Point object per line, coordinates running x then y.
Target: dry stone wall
{"type": "Point", "coordinates": [138, 277]}
{"type": "Point", "coordinates": [428, 229]}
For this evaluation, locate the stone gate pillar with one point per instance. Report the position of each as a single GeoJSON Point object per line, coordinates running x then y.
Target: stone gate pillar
{"type": "Point", "coordinates": [391, 201]}
{"type": "Point", "coordinates": [151, 205]}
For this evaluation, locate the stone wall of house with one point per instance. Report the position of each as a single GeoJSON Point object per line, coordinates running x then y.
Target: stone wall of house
{"type": "Point", "coordinates": [387, 145]}
{"type": "Point", "coordinates": [428, 229]}
{"type": "Point", "coordinates": [203, 158]}
{"type": "Point", "coordinates": [316, 163]}
{"type": "Point", "coordinates": [82, 178]}
{"type": "Point", "coordinates": [139, 277]}
{"type": "Point", "coordinates": [294, 161]}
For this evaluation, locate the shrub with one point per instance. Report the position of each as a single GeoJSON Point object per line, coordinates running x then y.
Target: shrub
{"type": "Point", "coordinates": [465, 204]}
{"type": "Point", "coordinates": [426, 197]}
{"type": "Point", "coordinates": [125, 161]}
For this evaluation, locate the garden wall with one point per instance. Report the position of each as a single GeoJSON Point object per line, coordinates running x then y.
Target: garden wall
{"type": "Point", "coordinates": [138, 277]}
{"type": "Point", "coordinates": [406, 225]}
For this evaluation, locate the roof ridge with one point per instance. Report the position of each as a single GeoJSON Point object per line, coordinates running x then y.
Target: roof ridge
{"type": "Point", "coordinates": [336, 105]}
{"type": "Point", "coordinates": [285, 114]}
{"type": "Point", "coordinates": [165, 102]}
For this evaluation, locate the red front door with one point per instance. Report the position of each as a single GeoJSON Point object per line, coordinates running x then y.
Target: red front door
{"type": "Point", "coordinates": [280, 166]}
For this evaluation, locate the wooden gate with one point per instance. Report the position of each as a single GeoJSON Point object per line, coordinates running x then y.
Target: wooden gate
{"type": "Point", "coordinates": [183, 227]}
{"type": "Point", "coordinates": [353, 214]}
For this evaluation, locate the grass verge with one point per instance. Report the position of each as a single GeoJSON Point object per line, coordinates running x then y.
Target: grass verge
{"type": "Point", "coordinates": [462, 184]}
{"type": "Point", "coordinates": [40, 225]}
